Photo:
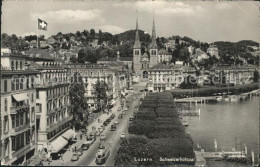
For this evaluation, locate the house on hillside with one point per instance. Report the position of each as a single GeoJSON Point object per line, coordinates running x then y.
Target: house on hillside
{"type": "Point", "coordinates": [213, 51]}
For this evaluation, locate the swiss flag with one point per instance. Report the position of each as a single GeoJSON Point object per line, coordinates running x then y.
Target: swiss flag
{"type": "Point", "coordinates": [42, 25]}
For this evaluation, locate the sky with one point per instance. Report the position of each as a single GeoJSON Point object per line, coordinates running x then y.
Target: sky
{"type": "Point", "coordinates": [203, 21]}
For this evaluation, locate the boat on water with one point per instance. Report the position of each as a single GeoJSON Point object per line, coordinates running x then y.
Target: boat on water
{"type": "Point", "coordinates": [234, 98]}
{"type": "Point", "coordinates": [219, 98]}
{"type": "Point", "coordinates": [102, 154]}
{"type": "Point", "coordinates": [184, 122]}
{"type": "Point", "coordinates": [190, 112]}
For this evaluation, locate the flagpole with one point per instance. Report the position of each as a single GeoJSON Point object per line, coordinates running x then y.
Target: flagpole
{"type": "Point", "coordinates": [37, 31]}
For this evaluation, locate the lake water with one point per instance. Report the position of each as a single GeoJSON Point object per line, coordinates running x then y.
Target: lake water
{"type": "Point", "coordinates": [231, 124]}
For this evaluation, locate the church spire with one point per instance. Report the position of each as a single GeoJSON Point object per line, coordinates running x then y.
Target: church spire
{"type": "Point", "coordinates": [153, 44]}
{"type": "Point", "coordinates": [137, 43]}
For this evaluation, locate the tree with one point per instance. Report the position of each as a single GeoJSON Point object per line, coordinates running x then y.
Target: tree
{"type": "Point", "coordinates": [189, 82]}
{"type": "Point", "coordinates": [256, 76]}
{"type": "Point", "coordinates": [78, 102]}
{"type": "Point", "coordinates": [92, 33]}
{"type": "Point", "coordinates": [100, 39]}
{"type": "Point", "coordinates": [100, 94]}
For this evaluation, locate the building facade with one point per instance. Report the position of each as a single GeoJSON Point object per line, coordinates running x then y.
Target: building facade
{"type": "Point", "coordinates": [53, 114]}
{"type": "Point", "coordinates": [167, 77]}
{"type": "Point", "coordinates": [18, 115]}
{"type": "Point", "coordinates": [114, 78]}
{"type": "Point", "coordinates": [234, 74]}
{"type": "Point", "coordinates": [164, 56]}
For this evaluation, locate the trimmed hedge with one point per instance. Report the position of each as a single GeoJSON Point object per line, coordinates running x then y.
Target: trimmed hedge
{"type": "Point", "coordinates": [156, 132]}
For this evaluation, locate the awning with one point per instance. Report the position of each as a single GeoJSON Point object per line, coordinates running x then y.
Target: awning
{"type": "Point", "coordinates": [35, 161]}
{"type": "Point", "coordinates": [69, 134]}
{"type": "Point", "coordinates": [58, 144]}
{"type": "Point", "coordinates": [20, 97]}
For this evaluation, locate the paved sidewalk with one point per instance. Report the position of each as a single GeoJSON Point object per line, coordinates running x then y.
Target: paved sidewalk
{"type": "Point", "coordinates": [68, 154]}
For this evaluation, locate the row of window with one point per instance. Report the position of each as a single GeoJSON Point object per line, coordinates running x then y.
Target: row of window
{"type": "Point", "coordinates": [19, 119]}
{"type": "Point", "coordinates": [54, 132]}
{"type": "Point", "coordinates": [58, 117]}
{"type": "Point", "coordinates": [57, 103]}
{"type": "Point", "coordinates": [57, 91]}
{"type": "Point", "coordinates": [15, 66]}
{"type": "Point", "coordinates": [18, 84]}
{"type": "Point", "coordinates": [18, 142]}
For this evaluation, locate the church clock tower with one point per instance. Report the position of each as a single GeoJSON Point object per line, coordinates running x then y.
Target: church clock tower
{"type": "Point", "coordinates": [137, 51]}
{"type": "Point", "coordinates": [153, 48]}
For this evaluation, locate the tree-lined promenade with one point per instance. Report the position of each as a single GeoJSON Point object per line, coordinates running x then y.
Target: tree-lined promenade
{"type": "Point", "coordinates": [156, 136]}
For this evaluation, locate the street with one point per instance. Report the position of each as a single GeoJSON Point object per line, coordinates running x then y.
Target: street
{"type": "Point", "coordinates": [112, 137]}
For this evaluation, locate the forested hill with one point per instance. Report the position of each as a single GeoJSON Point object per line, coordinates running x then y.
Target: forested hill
{"type": "Point", "coordinates": [130, 36]}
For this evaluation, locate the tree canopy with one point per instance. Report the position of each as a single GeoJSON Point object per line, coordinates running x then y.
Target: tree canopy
{"type": "Point", "coordinates": [78, 102]}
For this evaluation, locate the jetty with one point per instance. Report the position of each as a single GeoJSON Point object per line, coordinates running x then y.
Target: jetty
{"type": "Point", "coordinates": [227, 98]}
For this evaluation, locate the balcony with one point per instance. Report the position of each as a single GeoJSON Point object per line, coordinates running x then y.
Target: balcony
{"type": "Point", "coordinates": [17, 109]}
{"type": "Point", "coordinates": [22, 128]}
{"type": "Point", "coordinates": [57, 125]}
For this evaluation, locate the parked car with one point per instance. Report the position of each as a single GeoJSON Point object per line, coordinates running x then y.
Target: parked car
{"type": "Point", "coordinates": [105, 123]}
{"type": "Point", "coordinates": [116, 122]}
{"type": "Point", "coordinates": [75, 157]}
{"type": "Point", "coordinates": [120, 116]}
{"type": "Point", "coordinates": [122, 136]}
{"type": "Point", "coordinates": [80, 151]}
{"type": "Point", "coordinates": [126, 109]}
{"type": "Point", "coordinates": [93, 135]}
{"type": "Point", "coordinates": [90, 140]}
{"type": "Point", "coordinates": [123, 112]}
{"type": "Point", "coordinates": [131, 118]}
{"type": "Point", "coordinates": [103, 137]}
{"type": "Point", "coordinates": [113, 127]}
{"type": "Point", "coordinates": [112, 116]}
{"type": "Point", "coordinates": [85, 146]}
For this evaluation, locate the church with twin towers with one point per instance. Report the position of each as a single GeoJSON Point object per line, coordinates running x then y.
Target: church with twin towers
{"type": "Point", "coordinates": [152, 56]}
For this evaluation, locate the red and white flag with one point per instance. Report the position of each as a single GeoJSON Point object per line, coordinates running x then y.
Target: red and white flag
{"type": "Point", "coordinates": [42, 25]}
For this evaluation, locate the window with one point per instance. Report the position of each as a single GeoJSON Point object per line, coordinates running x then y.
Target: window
{"type": "Point", "coordinates": [13, 144]}
{"type": "Point", "coordinates": [21, 65]}
{"type": "Point", "coordinates": [17, 141]}
{"type": "Point", "coordinates": [6, 105]}
{"type": "Point", "coordinates": [22, 140]}
{"type": "Point", "coordinates": [39, 107]}
{"type": "Point", "coordinates": [33, 114]}
{"type": "Point", "coordinates": [12, 65]}
{"type": "Point", "coordinates": [17, 84]}
{"type": "Point", "coordinates": [32, 97]}
{"type": "Point", "coordinates": [21, 118]}
{"type": "Point", "coordinates": [6, 127]}
{"type": "Point", "coordinates": [5, 85]}
{"type": "Point", "coordinates": [37, 94]}
{"type": "Point", "coordinates": [17, 120]}
{"type": "Point", "coordinates": [13, 121]}
{"type": "Point", "coordinates": [21, 83]}
{"type": "Point", "coordinates": [27, 137]}
{"type": "Point", "coordinates": [16, 67]}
